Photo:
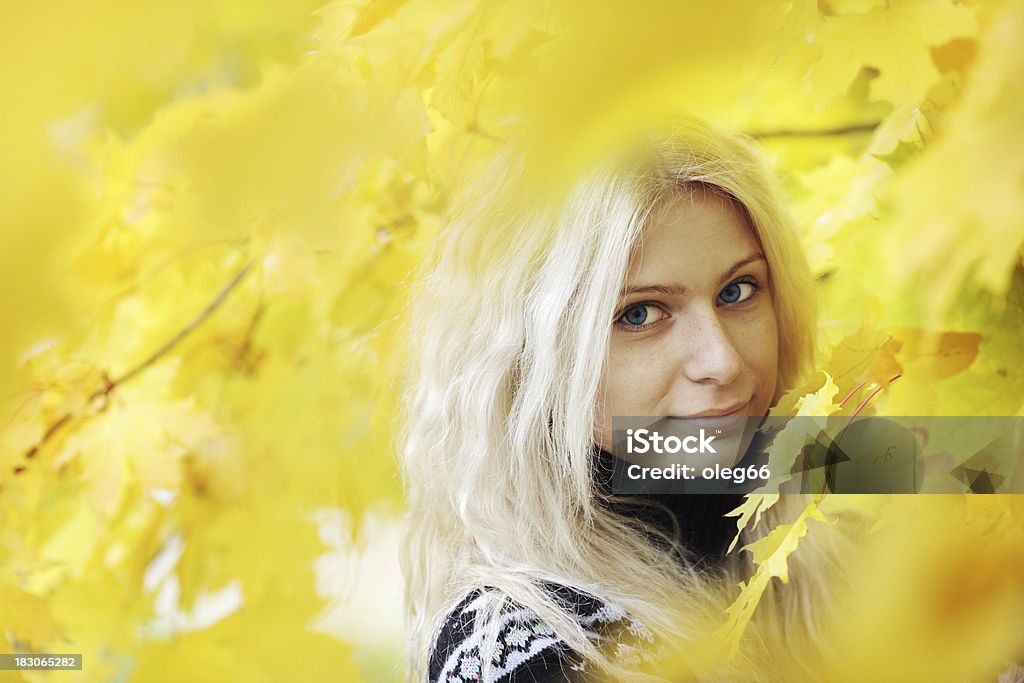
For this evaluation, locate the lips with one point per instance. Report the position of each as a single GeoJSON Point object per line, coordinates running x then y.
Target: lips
{"type": "Point", "coordinates": [726, 419]}
{"type": "Point", "coordinates": [736, 409]}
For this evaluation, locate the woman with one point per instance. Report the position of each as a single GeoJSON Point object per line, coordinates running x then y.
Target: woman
{"type": "Point", "coordinates": [667, 282]}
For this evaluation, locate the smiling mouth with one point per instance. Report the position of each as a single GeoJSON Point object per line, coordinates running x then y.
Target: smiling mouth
{"type": "Point", "coordinates": [723, 422]}
{"type": "Point", "coordinates": [736, 409]}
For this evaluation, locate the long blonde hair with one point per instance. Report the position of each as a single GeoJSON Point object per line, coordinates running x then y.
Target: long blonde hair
{"type": "Point", "coordinates": [511, 329]}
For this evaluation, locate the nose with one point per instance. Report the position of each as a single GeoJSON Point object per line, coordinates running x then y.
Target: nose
{"type": "Point", "coordinates": [710, 355]}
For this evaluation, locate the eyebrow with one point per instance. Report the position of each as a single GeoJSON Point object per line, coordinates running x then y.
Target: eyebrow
{"type": "Point", "coordinates": [678, 290]}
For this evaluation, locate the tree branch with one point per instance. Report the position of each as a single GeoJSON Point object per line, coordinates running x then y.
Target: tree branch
{"type": "Point", "coordinates": [821, 133]}
{"type": "Point", "coordinates": [109, 385]}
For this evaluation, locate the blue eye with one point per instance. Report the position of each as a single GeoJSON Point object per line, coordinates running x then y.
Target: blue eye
{"type": "Point", "coordinates": [640, 315]}
{"type": "Point", "coordinates": [735, 292]}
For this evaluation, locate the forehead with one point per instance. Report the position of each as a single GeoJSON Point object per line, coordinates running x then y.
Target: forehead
{"type": "Point", "coordinates": [691, 234]}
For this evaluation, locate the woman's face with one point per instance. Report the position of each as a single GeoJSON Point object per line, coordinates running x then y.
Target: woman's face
{"type": "Point", "coordinates": [695, 331]}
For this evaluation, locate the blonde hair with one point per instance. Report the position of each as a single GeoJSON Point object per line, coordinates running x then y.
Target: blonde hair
{"type": "Point", "coordinates": [511, 330]}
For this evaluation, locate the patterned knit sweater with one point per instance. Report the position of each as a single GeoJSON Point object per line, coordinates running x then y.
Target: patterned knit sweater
{"type": "Point", "coordinates": [527, 649]}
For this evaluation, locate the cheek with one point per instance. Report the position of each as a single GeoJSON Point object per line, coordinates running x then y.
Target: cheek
{"type": "Point", "coordinates": [761, 352]}
{"type": "Point", "coordinates": [636, 379]}
{"type": "Point", "coordinates": [631, 385]}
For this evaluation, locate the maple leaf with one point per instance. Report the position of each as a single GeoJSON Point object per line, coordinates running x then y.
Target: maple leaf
{"type": "Point", "coordinates": [895, 39]}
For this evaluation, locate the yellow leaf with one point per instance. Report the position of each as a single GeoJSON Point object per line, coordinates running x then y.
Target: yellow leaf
{"type": "Point", "coordinates": [751, 508]}
{"type": "Point", "coordinates": [941, 234]}
{"type": "Point", "coordinates": [820, 403]}
{"type": "Point", "coordinates": [26, 616]}
{"type": "Point", "coordinates": [811, 409]}
{"type": "Point", "coordinates": [771, 551]}
{"type": "Point", "coordinates": [770, 555]}
{"type": "Point", "coordinates": [895, 39]}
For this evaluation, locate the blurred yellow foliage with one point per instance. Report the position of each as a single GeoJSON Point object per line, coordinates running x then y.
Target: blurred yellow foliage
{"type": "Point", "coordinates": [217, 207]}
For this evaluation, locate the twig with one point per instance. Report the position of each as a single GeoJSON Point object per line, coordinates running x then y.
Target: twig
{"type": "Point", "coordinates": [830, 460]}
{"type": "Point", "coordinates": [850, 395]}
{"type": "Point", "coordinates": [109, 385]}
{"type": "Point", "coordinates": [821, 133]}
{"type": "Point", "coordinates": [182, 333]}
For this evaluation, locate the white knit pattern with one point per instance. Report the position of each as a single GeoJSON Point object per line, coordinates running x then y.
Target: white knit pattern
{"type": "Point", "coordinates": [522, 636]}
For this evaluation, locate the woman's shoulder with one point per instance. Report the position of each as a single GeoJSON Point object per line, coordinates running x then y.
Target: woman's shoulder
{"type": "Point", "coordinates": [526, 648]}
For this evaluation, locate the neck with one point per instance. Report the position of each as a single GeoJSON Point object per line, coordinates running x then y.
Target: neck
{"type": "Point", "coordinates": [696, 520]}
